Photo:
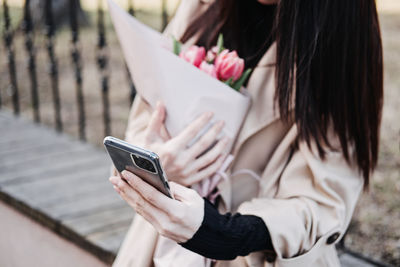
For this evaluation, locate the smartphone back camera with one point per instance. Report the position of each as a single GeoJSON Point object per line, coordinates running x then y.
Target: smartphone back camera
{"type": "Point", "coordinates": [143, 163]}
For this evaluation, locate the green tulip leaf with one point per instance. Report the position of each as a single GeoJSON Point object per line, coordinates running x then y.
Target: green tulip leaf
{"type": "Point", "coordinates": [239, 83]}
{"type": "Point", "coordinates": [229, 82]}
{"type": "Point", "coordinates": [176, 46]}
{"type": "Point", "coordinates": [220, 43]}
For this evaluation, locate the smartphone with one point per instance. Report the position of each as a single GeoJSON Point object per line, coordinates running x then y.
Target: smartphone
{"type": "Point", "coordinates": [144, 163]}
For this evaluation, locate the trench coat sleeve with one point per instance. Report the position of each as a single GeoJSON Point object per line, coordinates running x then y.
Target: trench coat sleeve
{"type": "Point", "coordinates": [138, 119]}
{"type": "Point", "coordinates": [312, 207]}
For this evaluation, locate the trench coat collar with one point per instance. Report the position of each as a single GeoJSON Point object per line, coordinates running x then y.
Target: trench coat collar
{"type": "Point", "coordinates": [261, 89]}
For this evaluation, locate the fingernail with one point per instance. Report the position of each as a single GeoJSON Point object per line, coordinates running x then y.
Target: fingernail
{"type": "Point", "coordinates": [117, 189]}
{"type": "Point", "coordinates": [158, 108]}
{"type": "Point", "coordinates": [221, 124]}
{"type": "Point", "coordinates": [209, 114]}
{"type": "Point", "coordinates": [113, 180]}
{"type": "Point", "coordinates": [127, 174]}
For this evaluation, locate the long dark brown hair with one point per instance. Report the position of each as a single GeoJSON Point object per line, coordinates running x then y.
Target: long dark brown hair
{"type": "Point", "coordinates": [329, 58]}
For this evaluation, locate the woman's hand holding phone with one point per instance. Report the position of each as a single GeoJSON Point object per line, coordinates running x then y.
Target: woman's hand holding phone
{"type": "Point", "coordinates": [177, 219]}
{"type": "Point", "coordinates": [181, 162]}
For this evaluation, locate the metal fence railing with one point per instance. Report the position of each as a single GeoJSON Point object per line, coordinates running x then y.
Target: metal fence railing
{"type": "Point", "coordinates": [102, 60]}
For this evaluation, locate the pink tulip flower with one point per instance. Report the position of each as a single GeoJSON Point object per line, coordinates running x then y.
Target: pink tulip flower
{"type": "Point", "coordinates": [212, 54]}
{"type": "Point", "coordinates": [229, 65]}
{"type": "Point", "coordinates": [194, 55]}
{"type": "Point", "coordinates": [208, 68]}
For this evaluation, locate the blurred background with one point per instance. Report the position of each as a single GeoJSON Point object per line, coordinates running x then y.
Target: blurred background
{"type": "Point", "coordinates": [67, 72]}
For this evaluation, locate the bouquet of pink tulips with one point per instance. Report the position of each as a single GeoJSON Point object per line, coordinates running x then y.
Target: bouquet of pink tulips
{"type": "Point", "coordinates": [218, 62]}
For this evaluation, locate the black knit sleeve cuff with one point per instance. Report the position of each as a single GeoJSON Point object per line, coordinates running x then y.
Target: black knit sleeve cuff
{"type": "Point", "coordinates": [224, 237]}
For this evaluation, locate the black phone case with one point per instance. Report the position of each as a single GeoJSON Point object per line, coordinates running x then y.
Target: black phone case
{"type": "Point", "coordinates": [121, 154]}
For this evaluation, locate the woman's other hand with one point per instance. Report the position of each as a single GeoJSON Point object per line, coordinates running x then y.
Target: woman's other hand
{"type": "Point", "coordinates": [177, 219]}
{"type": "Point", "coordinates": [182, 163]}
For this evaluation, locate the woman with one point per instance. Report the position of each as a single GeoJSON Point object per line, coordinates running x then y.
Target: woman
{"type": "Point", "coordinates": [311, 135]}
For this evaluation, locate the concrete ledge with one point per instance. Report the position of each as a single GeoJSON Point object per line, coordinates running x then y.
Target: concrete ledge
{"type": "Point", "coordinates": [24, 242]}
{"type": "Point", "coordinates": [62, 184]}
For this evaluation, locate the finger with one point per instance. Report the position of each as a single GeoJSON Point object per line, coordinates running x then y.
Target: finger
{"type": "Point", "coordinates": [151, 213]}
{"type": "Point", "coordinates": [164, 223]}
{"type": "Point", "coordinates": [206, 140]}
{"type": "Point", "coordinates": [182, 193]}
{"type": "Point", "coordinates": [164, 134]}
{"type": "Point", "coordinates": [206, 172]}
{"type": "Point", "coordinates": [130, 195]}
{"type": "Point", "coordinates": [193, 129]}
{"type": "Point", "coordinates": [156, 119]}
{"type": "Point", "coordinates": [116, 189]}
{"type": "Point", "coordinates": [149, 193]}
{"type": "Point", "coordinates": [114, 180]}
{"type": "Point", "coordinates": [162, 130]}
{"type": "Point", "coordinates": [209, 157]}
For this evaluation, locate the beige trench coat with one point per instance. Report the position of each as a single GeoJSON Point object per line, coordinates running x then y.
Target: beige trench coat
{"type": "Point", "coordinates": [306, 202]}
